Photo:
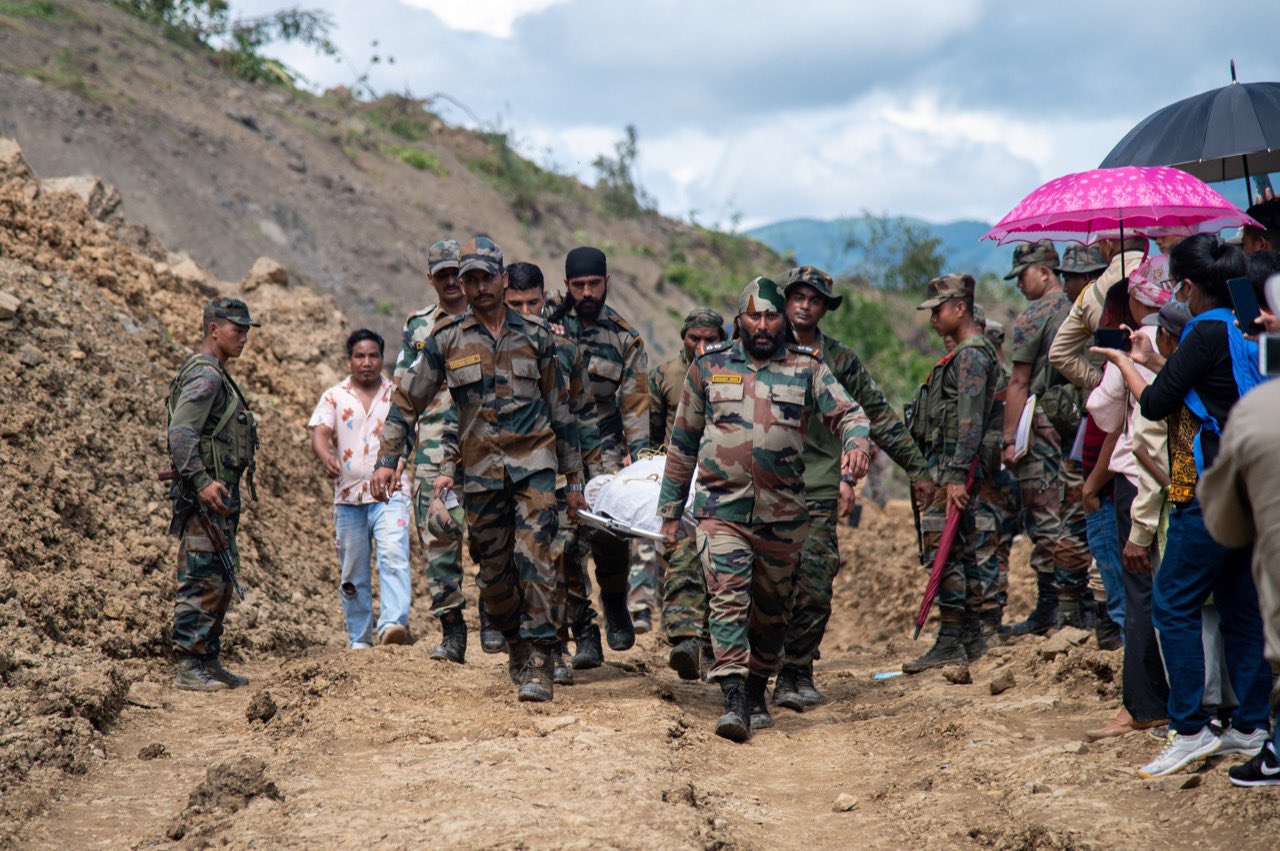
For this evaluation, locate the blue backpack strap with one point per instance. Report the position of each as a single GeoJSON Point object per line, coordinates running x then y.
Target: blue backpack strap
{"type": "Point", "coordinates": [1244, 368]}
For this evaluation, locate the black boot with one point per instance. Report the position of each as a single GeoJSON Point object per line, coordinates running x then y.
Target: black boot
{"type": "Point", "coordinates": [975, 643]}
{"type": "Point", "coordinates": [561, 673]}
{"type": "Point", "coordinates": [804, 684]}
{"type": "Point", "coordinates": [1045, 615]}
{"type": "Point", "coordinates": [535, 684]}
{"type": "Point", "coordinates": [589, 652]}
{"type": "Point", "coordinates": [947, 650]}
{"type": "Point", "coordinates": [1069, 612]}
{"type": "Point", "coordinates": [1107, 632]}
{"type": "Point", "coordinates": [618, 629]}
{"type": "Point", "coordinates": [686, 658]}
{"type": "Point", "coordinates": [453, 646]}
{"type": "Point", "coordinates": [993, 628]}
{"type": "Point", "coordinates": [517, 655]}
{"type": "Point", "coordinates": [1089, 611]}
{"type": "Point", "coordinates": [757, 706]}
{"type": "Point", "coordinates": [735, 723]}
{"type": "Point", "coordinates": [491, 640]}
{"type": "Point", "coordinates": [213, 665]}
{"type": "Point", "coordinates": [786, 691]}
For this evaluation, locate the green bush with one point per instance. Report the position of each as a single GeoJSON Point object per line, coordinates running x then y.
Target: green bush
{"type": "Point", "coordinates": [420, 160]}
{"type": "Point", "coordinates": [43, 9]}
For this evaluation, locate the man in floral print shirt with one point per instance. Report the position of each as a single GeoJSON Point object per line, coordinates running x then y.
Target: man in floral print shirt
{"type": "Point", "coordinates": [345, 435]}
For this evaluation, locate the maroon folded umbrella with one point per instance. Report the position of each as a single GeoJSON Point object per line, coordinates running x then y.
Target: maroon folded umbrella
{"type": "Point", "coordinates": [949, 533]}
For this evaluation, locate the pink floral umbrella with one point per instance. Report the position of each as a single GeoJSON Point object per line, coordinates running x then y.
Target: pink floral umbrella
{"type": "Point", "coordinates": [1106, 202]}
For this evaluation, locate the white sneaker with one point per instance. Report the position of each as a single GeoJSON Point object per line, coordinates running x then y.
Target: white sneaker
{"type": "Point", "coordinates": [1233, 741]}
{"type": "Point", "coordinates": [1180, 751]}
{"type": "Point", "coordinates": [360, 645]}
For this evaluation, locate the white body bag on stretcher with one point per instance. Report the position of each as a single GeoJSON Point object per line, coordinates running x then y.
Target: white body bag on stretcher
{"type": "Point", "coordinates": [626, 503]}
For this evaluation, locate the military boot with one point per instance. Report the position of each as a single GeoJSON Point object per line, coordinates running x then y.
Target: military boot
{"type": "Point", "coordinates": [589, 653]}
{"type": "Point", "coordinates": [517, 655]}
{"type": "Point", "coordinates": [491, 640]}
{"type": "Point", "coordinates": [947, 650]}
{"type": "Point", "coordinates": [619, 631]}
{"type": "Point", "coordinates": [804, 684]}
{"type": "Point", "coordinates": [686, 658]}
{"type": "Point", "coordinates": [1045, 615]}
{"type": "Point", "coordinates": [453, 644]}
{"type": "Point", "coordinates": [193, 676]}
{"type": "Point", "coordinates": [975, 643]}
{"type": "Point", "coordinates": [757, 706]}
{"type": "Point", "coordinates": [1107, 632]}
{"type": "Point", "coordinates": [561, 673]}
{"type": "Point", "coordinates": [993, 628]}
{"type": "Point", "coordinates": [536, 685]}
{"type": "Point", "coordinates": [786, 692]}
{"type": "Point", "coordinates": [1069, 613]}
{"type": "Point", "coordinates": [735, 723]}
{"type": "Point", "coordinates": [213, 665]}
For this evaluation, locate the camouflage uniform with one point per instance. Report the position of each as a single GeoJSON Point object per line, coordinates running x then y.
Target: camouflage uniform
{"type": "Point", "coordinates": [1048, 482]}
{"type": "Point", "coordinates": [954, 425]}
{"type": "Point", "coordinates": [514, 432]}
{"type": "Point", "coordinates": [444, 557]}
{"type": "Point", "coordinates": [741, 428]}
{"type": "Point", "coordinates": [810, 606]}
{"type": "Point", "coordinates": [212, 436]}
{"type": "Point", "coordinates": [617, 372]}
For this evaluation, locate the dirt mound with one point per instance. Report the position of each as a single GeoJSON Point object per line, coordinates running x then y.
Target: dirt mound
{"type": "Point", "coordinates": [227, 788]}
{"type": "Point", "coordinates": [101, 319]}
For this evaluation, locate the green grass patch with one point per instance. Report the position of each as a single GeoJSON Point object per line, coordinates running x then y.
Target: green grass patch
{"type": "Point", "coordinates": [420, 160]}
{"type": "Point", "coordinates": [63, 71]}
{"type": "Point", "coordinates": [522, 182]}
{"type": "Point", "coordinates": [385, 308]}
{"type": "Point", "coordinates": [45, 10]}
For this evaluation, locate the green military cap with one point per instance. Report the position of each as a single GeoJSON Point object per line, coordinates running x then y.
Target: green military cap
{"type": "Point", "coordinates": [995, 332]}
{"type": "Point", "coordinates": [760, 296]}
{"type": "Point", "coordinates": [946, 288]}
{"type": "Point", "coordinates": [480, 253]}
{"type": "Point", "coordinates": [702, 317]}
{"type": "Point", "coordinates": [443, 255]}
{"type": "Point", "coordinates": [816, 278]}
{"type": "Point", "coordinates": [1081, 260]}
{"type": "Point", "coordinates": [979, 316]}
{"type": "Point", "coordinates": [1031, 253]}
{"type": "Point", "coordinates": [441, 523]}
{"type": "Point", "coordinates": [230, 309]}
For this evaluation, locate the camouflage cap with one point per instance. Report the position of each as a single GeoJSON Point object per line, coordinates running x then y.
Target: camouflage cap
{"type": "Point", "coordinates": [813, 277]}
{"type": "Point", "coordinates": [441, 523]}
{"type": "Point", "coordinates": [480, 253]}
{"type": "Point", "coordinates": [946, 288]}
{"type": "Point", "coordinates": [443, 255]}
{"type": "Point", "coordinates": [1081, 260]}
{"type": "Point", "coordinates": [230, 309]}
{"type": "Point", "coordinates": [979, 316]}
{"type": "Point", "coordinates": [760, 296]}
{"type": "Point", "coordinates": [703, 317]}
{"type": "Point", "coordinates": [995, 332]}
{"type": "Point", "coordinates": [1029, 254]}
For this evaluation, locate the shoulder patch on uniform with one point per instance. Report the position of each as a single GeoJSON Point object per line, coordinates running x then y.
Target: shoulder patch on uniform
{"type": "Point", "coordinates": [714, 347]}
{"type": "Point", "coordinates": [423, 313]}
{"type": "Point", "coordinates": [536, 321]}
{"type": "Point", "coordinates": [622, 323]}
{"type": "Point", "coordinates": [459, 363]}
{"type": "Point", "coordinates": [803, 350]}
{"type": "Point", "coordinates": [725, 378]}
{"type": "Point", "coordinates": [448, 322]}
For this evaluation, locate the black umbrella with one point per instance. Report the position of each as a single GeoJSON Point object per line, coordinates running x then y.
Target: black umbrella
{"type": "Point", "coordinates": [1224, 134]}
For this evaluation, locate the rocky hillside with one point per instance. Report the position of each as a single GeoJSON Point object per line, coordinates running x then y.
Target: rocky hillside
{"type": "Point", "coordinates": [347, 195]}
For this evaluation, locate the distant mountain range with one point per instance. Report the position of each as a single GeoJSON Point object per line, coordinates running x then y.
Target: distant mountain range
{"type": "Point", "coordinates": [822, 243]}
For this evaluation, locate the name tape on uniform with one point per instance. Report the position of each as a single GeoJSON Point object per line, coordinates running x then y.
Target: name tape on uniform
{"type": "Point", "coordinates": [726, 379]}
{"type": "Point", "coordinates": [459, 363]}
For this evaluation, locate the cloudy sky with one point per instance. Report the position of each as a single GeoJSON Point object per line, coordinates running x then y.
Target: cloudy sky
{"type": "Point", "coordinates": [942, 109]}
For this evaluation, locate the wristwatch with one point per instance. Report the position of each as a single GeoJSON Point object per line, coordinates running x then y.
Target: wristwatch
{"type": "Point", "coordinates": [848, 479]}
{"type": "Point", "coordinates": [574, 487]}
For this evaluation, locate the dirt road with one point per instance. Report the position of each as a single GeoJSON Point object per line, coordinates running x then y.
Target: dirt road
{"type": "Point", "coordinates": [388, 749]}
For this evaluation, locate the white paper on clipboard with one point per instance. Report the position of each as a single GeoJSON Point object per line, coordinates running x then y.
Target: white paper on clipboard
{"type": "Point", "coordinates": [1022, 439]}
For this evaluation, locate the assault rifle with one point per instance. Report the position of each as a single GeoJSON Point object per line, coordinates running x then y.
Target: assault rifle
{"type": "Point", "coordinates": [188, 502]}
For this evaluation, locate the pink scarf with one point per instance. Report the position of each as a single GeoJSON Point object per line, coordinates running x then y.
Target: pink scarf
{"type": "Point", "coordinates": [1150, 283]}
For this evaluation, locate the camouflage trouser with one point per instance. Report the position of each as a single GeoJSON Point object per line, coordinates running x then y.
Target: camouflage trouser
{"type": "Point", "coordinates": [971, 577]}
{"type": "Point", "coordinates": [644, 579]}
{"type": "Point", "coordinates": [1002, 496]}
{"type": "Point", "coordinates": [564, 605]}
{"type": "Point", "coordinates": [511, 530]}
{"type": "Point", "coordinates": [1072, 559]}
{"type": "Point", "coordinates": [810, 606]}
{"type": "Point", "coordinates": [1040, 494]}
{"type": "Point", "coordinates": [749, 570]}
{"type": "Point", "coordinates": [611, 554]}
{"type": "Point", "coordinates": [203, 592]}
{"type": "Point", "coordinates": [684, 593]}
{"type": "Point", "coordinates": [444, 558]}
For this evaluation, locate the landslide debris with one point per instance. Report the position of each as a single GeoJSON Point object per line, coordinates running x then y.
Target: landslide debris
{"type": "Point", "coordinates": [95, 318]}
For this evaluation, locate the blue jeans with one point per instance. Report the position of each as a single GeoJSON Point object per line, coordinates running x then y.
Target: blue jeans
{"type": "Point", "coordinates": [1194, 567]}
{"type": "Point", "coordinates": [359, 527]}
{"type": "Point", "coordinates": [1104, 543]}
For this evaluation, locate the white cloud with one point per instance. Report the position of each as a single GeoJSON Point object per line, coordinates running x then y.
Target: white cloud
{"type": "Point", "coordinates": [491, 17]}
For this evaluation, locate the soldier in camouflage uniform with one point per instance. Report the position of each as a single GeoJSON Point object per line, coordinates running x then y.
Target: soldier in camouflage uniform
{"type": "Point", "coordinates": [1060, 555]}
{"type": "Point", "coordinates": [618, 372]}
{"type": "Point", "coordinates": [809, 294]}
{"type": "Point", "coordinates": [527, 294]}
{"type": "Point", "coordinates": [515, 432]}
{"type": "Point", "coordinates": [953, 423]}
{"type": "Point", "coordinates": [684, 591]}
{"type": "Point", "coordinates": [444, 556]}
{"type": "Point", "coordinates": [212, 440]}
{"type": "Point", "coordinates": [741, 427]}
{"type": "Point", "coordinates": [1000, 490]}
